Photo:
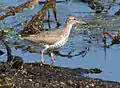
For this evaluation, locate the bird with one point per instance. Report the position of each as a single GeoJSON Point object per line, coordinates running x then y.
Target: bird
{"type": "Point", "coordinates": [53, 39]}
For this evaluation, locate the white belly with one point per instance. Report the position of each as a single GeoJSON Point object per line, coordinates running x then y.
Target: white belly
{"type": "Point", "coordinates": [59, 43]}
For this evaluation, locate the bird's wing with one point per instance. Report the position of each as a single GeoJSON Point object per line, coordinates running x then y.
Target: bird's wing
{"type": "Point", "coordinates": [46, 37]}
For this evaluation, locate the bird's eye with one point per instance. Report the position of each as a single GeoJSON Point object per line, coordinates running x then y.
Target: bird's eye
{"type": "Point", "coordinates": [74, 19]}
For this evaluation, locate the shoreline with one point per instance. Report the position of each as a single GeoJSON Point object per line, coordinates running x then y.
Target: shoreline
{"type": "Point", "coordinates": [32, 75]}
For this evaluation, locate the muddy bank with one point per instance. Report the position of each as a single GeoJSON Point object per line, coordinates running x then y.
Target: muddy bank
{"type": "Point", "coordinates": [32, 75]}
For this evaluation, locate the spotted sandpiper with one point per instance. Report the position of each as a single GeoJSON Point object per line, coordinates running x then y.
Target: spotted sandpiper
{"type": "Point", "coordinates": [53, 39]}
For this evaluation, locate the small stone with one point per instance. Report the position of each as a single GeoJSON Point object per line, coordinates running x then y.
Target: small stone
{"type": "Point", "coordinates": [37, 84]}
{"type": "Point", "coordinates": [87, 86]}
{"type": "Point", "coordinates": [70, 82]}
{"type": "Point", "coordinates": [92, 84]}
{"type": "Point", "coordinates": [30, 80]}
{"type": "Point", "coordinates": [62, 83]}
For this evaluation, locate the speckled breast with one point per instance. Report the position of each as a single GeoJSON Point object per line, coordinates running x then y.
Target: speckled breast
{"type": "Point", "coordinates": [59, 43]}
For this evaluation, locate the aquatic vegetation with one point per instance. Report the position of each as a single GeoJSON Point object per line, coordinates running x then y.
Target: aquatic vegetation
{"type": "Point", "coordinates": [118, 12]}
{"type": "Point", "coordinates": [17, 9]}
{"type": "Point", "coordinates": [36, 23]}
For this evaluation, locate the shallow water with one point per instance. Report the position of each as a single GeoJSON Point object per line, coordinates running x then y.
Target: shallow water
{"type": "Point", "coordinates": [78, 41]}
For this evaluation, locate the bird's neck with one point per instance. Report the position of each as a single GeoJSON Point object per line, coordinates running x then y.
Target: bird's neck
{"type": "Point", "coordinates": [68, 27]}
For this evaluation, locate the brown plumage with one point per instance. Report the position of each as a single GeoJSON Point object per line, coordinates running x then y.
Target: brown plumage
{"type": "Point", "coordinates": [53, 39]}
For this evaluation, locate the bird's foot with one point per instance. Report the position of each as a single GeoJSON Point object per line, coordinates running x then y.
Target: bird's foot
{"type": "Point", "coordinates": [52, 63]}
{"type": "Point", "coordinates": [51, 66]}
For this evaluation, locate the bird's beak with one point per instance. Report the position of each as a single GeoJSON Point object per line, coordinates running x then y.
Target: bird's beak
{"type": "Point", "coordinates": [81, 22]}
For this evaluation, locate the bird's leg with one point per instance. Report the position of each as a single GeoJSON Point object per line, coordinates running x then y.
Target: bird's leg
{"type": "Point", "coordinates": [43, 61]}
{"type": "Point", "coordinates": [52, 57]}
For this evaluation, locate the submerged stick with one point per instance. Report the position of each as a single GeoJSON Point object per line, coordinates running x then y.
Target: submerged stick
{"type": "Point", "coordinates": [36, 23]}
{"type": "Point", "coordinates": [12, 60]}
